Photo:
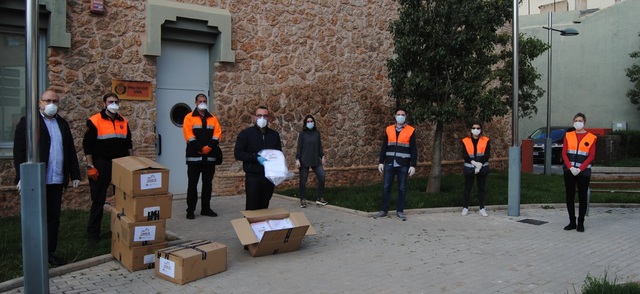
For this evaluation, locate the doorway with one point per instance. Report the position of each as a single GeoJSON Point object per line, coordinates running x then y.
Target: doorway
{"type": "Point", "coordinates": [182, 73]}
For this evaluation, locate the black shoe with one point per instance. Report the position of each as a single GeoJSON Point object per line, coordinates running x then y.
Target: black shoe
{"type": "Point", "coordinates": [209, 213]}
{"type": "Point", "coordinates": [190, 215]}
{"type": "Point", "coordinates": [56, 261]}
{"type": "Point", "coordinates": [580, 228]}
{"type": "Point", "coordinates": [246, 247]}
{"type": "Point", "coordinates": [570, 226]}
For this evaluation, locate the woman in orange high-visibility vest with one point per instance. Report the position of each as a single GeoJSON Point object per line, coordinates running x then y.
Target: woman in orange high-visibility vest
{"type": "Point", "coordinates": [476, 150]}
{"type": "Point", "coordinates": [578, 151]}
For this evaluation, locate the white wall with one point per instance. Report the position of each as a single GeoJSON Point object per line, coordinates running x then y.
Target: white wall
{"type": "Point", "coordinates": [530, 7]}
{"type": "Point", "coordinates": [588, 70]}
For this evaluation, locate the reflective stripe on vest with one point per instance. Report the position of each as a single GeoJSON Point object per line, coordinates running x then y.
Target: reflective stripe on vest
{"type": "Point", "coordinates": [578, 152]}
{"type": "Point", "coordinates": [108, 129]}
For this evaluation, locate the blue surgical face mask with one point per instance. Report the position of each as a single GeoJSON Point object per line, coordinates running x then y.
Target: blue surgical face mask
{"type": "Point", "coordinates": [400, 119]}
{"type": "Point", "coordinates": [310, 125]}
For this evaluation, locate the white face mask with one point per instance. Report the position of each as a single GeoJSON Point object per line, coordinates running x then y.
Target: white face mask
{"type": "Point", "coordinates": [113, 108]}
{"type": "Point", "coordinates": [50, 109]}
{"type": "Point", "coordinates": [202, 106]}
{"type": "Point", "coordinates": [578, 125]}
{"type": "Point", "coordinates": [261, 122]}
{"type": "Point", "coordinates": [475, 132]}
{"type": "Point", "coordinates": [310, 125]}
{"type": "Point", "coordinates": [400, 119]}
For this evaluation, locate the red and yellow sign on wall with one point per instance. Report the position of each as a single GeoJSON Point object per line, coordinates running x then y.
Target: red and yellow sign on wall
{"type": "Point", "coordinates": [130, 90]}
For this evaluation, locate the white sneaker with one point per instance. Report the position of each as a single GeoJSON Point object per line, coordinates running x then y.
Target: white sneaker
{"type": "Point", "coordinates": [483, 212]}
{"type": "Point", "coordinates": [465, 211]}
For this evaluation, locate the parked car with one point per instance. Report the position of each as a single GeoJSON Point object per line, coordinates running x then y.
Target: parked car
{"type": "Point", "coordinates": [539, 137]}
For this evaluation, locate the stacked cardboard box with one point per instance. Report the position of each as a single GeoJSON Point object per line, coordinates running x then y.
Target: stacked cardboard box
{"type": "Point", "coordinates": [188, 262]}
{"type": "Point", "coordinates": [262, 242]}
{"type": "Point", "coordinates": [142, 206]}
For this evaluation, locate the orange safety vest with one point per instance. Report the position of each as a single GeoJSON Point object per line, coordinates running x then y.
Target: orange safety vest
{"type": "Point", "coordinates": [109, 129]}
{"type": "Point", "coordinates": [578, 152]}
{"type": "Point", "coordinates": [398, 148]}
{"type": "Point", "coordinates": [481, 147]}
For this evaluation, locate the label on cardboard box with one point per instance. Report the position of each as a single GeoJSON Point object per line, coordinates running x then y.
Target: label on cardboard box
{"type": "Point", "coordinates": [167, 267]}
{"type": "Point", "coordinates": [144, 233]}
{"type": "Point", "coordinates": [151, 181]}
{"type": "Point", "coordinates": [149, 258]}
{"type": "Point", "coordinates": [151, 210]}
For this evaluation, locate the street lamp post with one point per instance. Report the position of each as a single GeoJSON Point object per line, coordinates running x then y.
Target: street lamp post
{"type": "Point", "coordinates": [547, 144]}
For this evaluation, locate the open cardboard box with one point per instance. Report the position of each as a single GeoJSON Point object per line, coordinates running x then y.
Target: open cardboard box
{"type": "Point", "coordinates": [276, 241]}
{"type": "Point", "coordinates": [138, 176]}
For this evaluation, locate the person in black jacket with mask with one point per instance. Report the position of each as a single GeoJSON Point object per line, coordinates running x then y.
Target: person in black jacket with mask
{"type": "Point", "coordinates": [250, 142]}
{"type": "Point", "coordinates": [58, 152]}
{"type": "Point", "coordinates": [309, 154]}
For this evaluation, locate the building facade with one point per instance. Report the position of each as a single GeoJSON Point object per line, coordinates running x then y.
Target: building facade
{"type": "Point", "coordinates": [325, 58]}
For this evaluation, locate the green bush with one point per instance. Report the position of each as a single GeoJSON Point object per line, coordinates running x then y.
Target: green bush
{"type": "Point", "coordinates": [594, 285]}
{"type": "Point", "coordinates": [629, 140]}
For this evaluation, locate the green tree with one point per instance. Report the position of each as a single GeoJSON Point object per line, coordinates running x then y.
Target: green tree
{"type": "Point", "coordinates": [452, 64]}
{"type": "Point", "coordinates": [633, 72]}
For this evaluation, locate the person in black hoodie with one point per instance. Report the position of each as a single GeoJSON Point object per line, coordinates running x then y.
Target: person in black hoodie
{"type": "Point", "coordinates": [250, 142]}
{"type": "Point", "coordinates": [310, 154]}
{"type": "Point", "coordinates": [58, 152]}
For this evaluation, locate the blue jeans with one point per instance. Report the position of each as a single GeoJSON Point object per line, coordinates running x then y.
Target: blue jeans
{"type": "Point", "coordinates": [390, 173]}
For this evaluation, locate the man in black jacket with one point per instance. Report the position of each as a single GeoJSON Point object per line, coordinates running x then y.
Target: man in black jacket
{"type": "Point", "coordinates": [58, 152]}
{"type": "Point", "coordinates": [250, 142]}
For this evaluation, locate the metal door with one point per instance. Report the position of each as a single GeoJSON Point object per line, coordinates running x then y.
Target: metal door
{"type": "Point", "coordinates": [183, 72]}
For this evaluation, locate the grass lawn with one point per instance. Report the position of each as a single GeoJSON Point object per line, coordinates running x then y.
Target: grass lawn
{"type": "Point", "coordinates": [72, 242]}
{"type": "Point", "coordinates": [533, 189]}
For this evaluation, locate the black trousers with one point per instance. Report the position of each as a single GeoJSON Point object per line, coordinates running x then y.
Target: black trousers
{"type": "Point", "coordinates": [570, 183]}
{"type": "Point", "coordinates": [99, 189]}
{"type": "Point", "coordinates": [54, 202]}
{"type": "Point", "coordinates": [259, 191]}
{"type": "Point", "coordinates": [193, 172]}
{"type": "Point", "coordinates": [482, 189]}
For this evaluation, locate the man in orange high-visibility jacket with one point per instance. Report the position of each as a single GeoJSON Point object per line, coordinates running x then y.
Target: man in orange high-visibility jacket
{"type": "Point", "coordinates": [202, 133]}
{"type": "Point", "coordinates": [107, 137]}
{"type": "Point", "coordinates": [398, 157]}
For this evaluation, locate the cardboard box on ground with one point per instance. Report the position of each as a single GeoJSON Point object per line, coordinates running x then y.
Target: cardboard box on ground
{"type": "Point", "coordinates": [142, 205]}
{"type": "Point", "coordinates": [191, 261]}
{"type": "Point", "coordinates": [273, 241]}
{"type": "Point", "coordinates": [136, 258]}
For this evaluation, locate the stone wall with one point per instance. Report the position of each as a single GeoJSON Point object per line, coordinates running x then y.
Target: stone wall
{"type": "Point", "coordinates": [324, 57]}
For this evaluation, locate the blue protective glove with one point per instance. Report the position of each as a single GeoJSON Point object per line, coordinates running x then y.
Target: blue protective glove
{"type": "Point", "coordinates": [261, 160]}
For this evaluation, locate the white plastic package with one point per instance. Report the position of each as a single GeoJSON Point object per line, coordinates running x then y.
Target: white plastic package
{"type": "Point", "coordinates": [275, 168]}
